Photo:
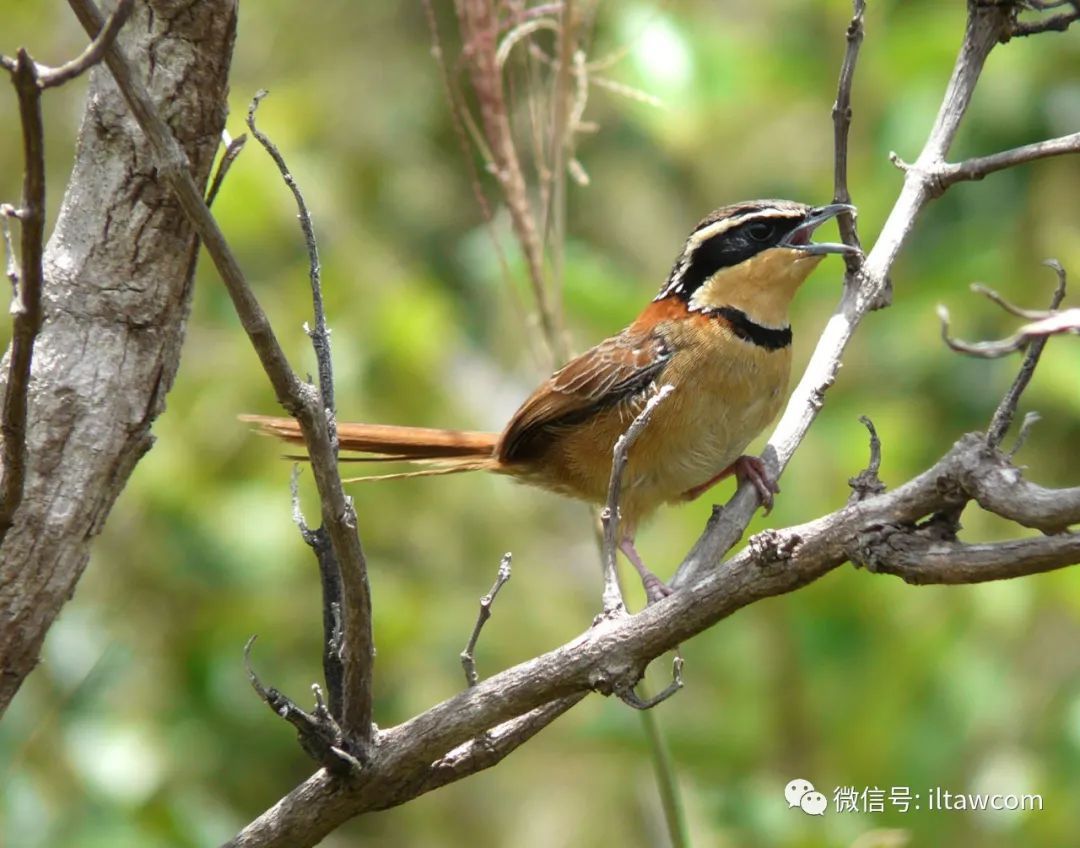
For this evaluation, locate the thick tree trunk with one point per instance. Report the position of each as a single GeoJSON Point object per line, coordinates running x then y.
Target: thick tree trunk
{"type": "Point", "coordinates": [118, 272]}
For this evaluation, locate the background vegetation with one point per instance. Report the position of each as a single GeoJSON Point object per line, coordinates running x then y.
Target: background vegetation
{"type": "Point", "coordinates": [139, 728]}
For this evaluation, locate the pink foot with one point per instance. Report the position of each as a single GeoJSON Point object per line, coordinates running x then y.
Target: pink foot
{"type": "Point", "coordinates": [655, 588]}
{"type": "Point", "coordinates": [744, 468]}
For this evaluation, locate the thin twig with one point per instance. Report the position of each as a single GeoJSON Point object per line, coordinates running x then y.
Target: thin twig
{"type": "Point", "coordinates": [330, 584]}
{"type": "Point", "coordinates": [609, 517]}
{"type": "Point", "coordinates": [336, 665]}
{"type": "Point", "coordinates": [468, 661]}
{"type": "Point", "coordinates": [26, 304]}
{"type": "Point", "coordinates": [866, 483]}
{"type": "Point", "coordinates": [1044, 323]}
{"type": "Point", "coordinates": [318, 732]}
{"type": "Point", "coordinates": [1030, 420]}
{"type": "Point", "coordinates": [320, 336]}
{"type": "Point", "coordinates": [554, 222]}
{"type": "Point", "coordinates": [94, 52]}
{"type": "Point", "coordinates": [459, 117]}
{"type": "Point", "coordinates": [841, 114]}
{"type": "Point", "coordinates": [233, 148]}
{"type": "Point", "coordinates": [980, 166]}
{"type": "Point", "coordinates": [629, 697]}
{"type": "Point", "coordinates": [1006, 409]}
{"type": "Point", "coordinates": [480, 33]}
{"type": "Point", "coordinates": [297, 398]}
{"type": "Point", "coordinates": [1011, 308]}
{"type": "Point", "coordinates": [1054, 23]}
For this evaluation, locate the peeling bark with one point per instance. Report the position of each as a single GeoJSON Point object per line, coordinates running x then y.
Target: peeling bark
{"type": "Point", "coordinates": [118, 274]}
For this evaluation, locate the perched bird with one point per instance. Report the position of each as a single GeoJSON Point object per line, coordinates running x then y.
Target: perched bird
{"type": "Point", "coordinates": [717, 332]}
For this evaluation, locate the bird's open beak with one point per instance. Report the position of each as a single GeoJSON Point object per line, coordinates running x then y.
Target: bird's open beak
{"type": "Point", "coordinates": [799, 238]}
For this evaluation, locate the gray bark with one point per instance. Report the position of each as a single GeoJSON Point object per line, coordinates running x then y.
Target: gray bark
{"type": "Point", "coordinates": [118, 273]}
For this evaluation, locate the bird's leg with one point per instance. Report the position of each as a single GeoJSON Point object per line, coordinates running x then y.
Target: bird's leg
{"type": "Point", "coordinates": [655, 588]}
{"type": "Point", "coordinates": [744, 468]}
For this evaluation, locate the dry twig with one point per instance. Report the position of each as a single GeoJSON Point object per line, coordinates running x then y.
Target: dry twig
{"type": "Point", "coordinates": [468, 662]}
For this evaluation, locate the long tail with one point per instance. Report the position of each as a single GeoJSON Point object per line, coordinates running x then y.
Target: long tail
{"type": "Point", "coordinates": [449, 451]}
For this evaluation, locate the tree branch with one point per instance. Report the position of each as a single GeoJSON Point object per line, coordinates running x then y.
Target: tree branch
{"type": "Point", "coordinates": [981, 166]}
{"type": "Point", "coordinates": [26, 305]}
{"type": "Point", "coordinates": [616, 651]}
{"type": "Point", "coordinates": [1005, 411]}
{"type": "Point", "coordinates": [295, 396]}
{"type": "Point", "coordinates": [113, 321]}
{"type": "Point", "coordinates": [870, 290]}
{"type": "Point", "coordinates": [94, 52]}
{"type": "Point", "coordinates": [924, 561]}
{"type": "Point", "coordinates": [611, 657]}
{"type": "Point", "coordinates": [842, 114]}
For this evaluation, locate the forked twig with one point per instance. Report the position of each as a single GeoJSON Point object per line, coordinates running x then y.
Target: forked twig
{"type": "Point", "coordinates": [468, 662]}
{"type": "Point", "coordinates": [1006, 409]}
{"type": "Point", "coordinates": [1044, 323]}
{"type": "Point", "coordinates": [841, 114]}
{"type": "Point", "coordinates": [295, 396]}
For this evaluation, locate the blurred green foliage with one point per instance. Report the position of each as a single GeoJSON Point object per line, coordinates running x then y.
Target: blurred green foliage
{"type": "Point", "coordinates": [139, 728]}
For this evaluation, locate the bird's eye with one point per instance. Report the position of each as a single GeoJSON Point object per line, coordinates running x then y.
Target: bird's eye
{"type": "Point", "coordinates": [761, 230]}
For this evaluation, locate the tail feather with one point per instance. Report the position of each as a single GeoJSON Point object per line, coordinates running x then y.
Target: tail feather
{"type": "Point", "coordinates": [445, 467]}
{"type": "Point", "coordinates": [452, 451]}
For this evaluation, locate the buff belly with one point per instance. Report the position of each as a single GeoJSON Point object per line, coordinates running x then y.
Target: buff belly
{"type": "Point", "coordinates": [734, 391]}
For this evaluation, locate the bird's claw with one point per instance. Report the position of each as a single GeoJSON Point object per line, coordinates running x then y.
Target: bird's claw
{"type": "Point", "coordinates": [752, 468]}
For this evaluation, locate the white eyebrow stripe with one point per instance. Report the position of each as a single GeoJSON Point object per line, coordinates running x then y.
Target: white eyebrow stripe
{"type": "Point", "coordinates": [721, 227]}
{"type": "Point", "coordinates": [674, 282]}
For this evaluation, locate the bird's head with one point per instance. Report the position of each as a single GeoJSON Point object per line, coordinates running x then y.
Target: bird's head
{"type": "Point", "coordinates": [752, 256]}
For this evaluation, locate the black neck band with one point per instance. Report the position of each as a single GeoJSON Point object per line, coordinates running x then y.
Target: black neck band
{"type": "Point", "coordinates": [747, 330]}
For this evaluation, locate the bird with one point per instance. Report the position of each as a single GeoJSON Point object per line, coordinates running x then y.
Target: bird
{"type": "Point", "coordinates": [718, 332]}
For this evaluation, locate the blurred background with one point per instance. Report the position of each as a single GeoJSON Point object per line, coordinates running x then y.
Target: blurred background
{"type": "Point", "coordinates": [139, 727]}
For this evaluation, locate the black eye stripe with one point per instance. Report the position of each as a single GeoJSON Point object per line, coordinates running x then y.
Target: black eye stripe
{"type": "Point", "coordinates": [726, 249]}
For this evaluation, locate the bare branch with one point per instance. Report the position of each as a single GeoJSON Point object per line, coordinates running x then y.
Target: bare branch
{"type": "Point", "coordinates": [632, 699]}
{"type": "Point", "coordinates": [297, 398]}
{"type": "Point", "coordinates": [999, 487]}
{"type": "Point", "coordinates": [867, 483]}
{"type": "Point", "coordinates": [1006, 409]}
{"type": "Point", "coordinates": [233, 148]}
{"type": "Point", "coordinates": [979, 167]}
{"type": "Point", "coordinates": [1053, 23]}
{"type": "Point", "coordinates": [26, 305]}
{"type": "Point", "coordinates": [870, 290]}
{"type": "Point", "coordinates": [318, 732]}
{"type": "Point", "coordinates": [1045, 323]}
{"type": "Point", "coordinates": [614, 651]}
{"type": "Point", "coordinates": [841, 114]}
{"type": "Point", "coordinates": [320, 336]}
{"type": "Point", "coordinates": [609, 517]}
{"type": "Point", "coordinates": [924, 561]}
{"type": "Point", "coordinates": [94, 52]}
{"type": "Point", "coordinates": [467, 660]}
{"type": "Point", "coordinates": [489, 749]}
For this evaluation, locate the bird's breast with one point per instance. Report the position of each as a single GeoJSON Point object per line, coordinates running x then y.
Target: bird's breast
{"type": "Point", "coordinates": [727, 390]}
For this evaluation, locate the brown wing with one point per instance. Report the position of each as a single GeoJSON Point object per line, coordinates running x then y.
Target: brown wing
{"type": "Point", "coordinates": [602, 376]}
